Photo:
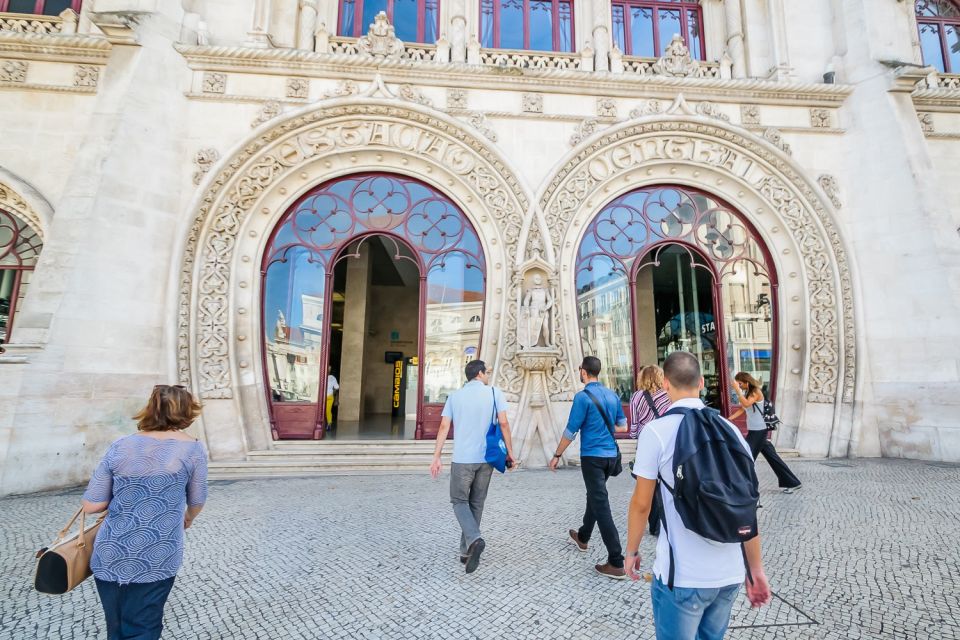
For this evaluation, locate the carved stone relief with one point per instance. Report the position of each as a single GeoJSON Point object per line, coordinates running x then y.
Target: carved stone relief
{"type": "Point", "coordinates": [214, 82]}
{"type": "Point", "coordinates": [343, 88]}
{"type": "Point", "coordinates": [203, 325]}
{"type": "Point", "coordinates": [86, 76]}
{"type": "Point", "coordinates": [926, 122]}
{"type": "Point", "coordinates": [298, 88]}
{"type": "Point", "coordinates": [11, 201]}
{"type": "Point", "coordinates": [833, 346]}
{"type": "Point", "coordinates": [606, 108]}
{"type": "Point", "coordinates": [270, 110]}
{"type": "Point", "coordinates": [820, 118]}
{"type": "Point", "coordinates": [677, 61]}
{"type": "Point", "coordinates": [584, 130]}
{"type": "Point", "coordinates": [831, 187]}
{"type": "Point", "coordinates": [478, 120]}
{"type": "Point", "coordinates": [750, 115]}
{"type": "Point", "coordinates": [13, 71]}
{"type": "Point", "coordinates": [204, 159]}
{"type": "Point", "coordinates": [647, 108]}
{"type": "Point", "coordinates": [774, 137]}
{"type": "Point", "coordinates": [410, 93]}
{"type": "Point", "coordinates": [535, 326]}
{"type": "Point", "coordinates": [711, 111]}
{"type": "Point", "coordinates": [381, 40]}
{"type": "Point", "coordinates": [456, 98]}
{"type": "Point", "coordinates": [533, 103]}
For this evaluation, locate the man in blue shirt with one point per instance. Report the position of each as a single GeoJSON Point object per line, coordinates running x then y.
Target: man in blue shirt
{"type": "Point", "coordinates": [599, 459]}
{"type": "Point", "coordinates": [471, 409]}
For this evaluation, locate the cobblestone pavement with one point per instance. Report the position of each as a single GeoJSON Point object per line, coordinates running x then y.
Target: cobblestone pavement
{"type": "Point", "coordinates": [868, 549]}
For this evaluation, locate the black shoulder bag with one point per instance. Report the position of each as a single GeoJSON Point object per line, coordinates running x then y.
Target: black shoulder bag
{"type": "Point", "coordinates": [618, 467]}
{"type": "Point", "coordinates": [653, 406]}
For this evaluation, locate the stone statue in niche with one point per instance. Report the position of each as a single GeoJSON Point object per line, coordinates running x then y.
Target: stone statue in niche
{"type": "Point", "coordinates": [280, 332]}
{"type": "Point", "coordinates": [536, 311]}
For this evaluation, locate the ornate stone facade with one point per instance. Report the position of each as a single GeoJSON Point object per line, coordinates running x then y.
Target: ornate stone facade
{"type": "Point", "coordinates": [189, 153]}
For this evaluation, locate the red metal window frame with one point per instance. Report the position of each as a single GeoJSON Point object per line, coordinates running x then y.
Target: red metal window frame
{"type": "Point", "coordinates": [683, 7]}
{"type": "Point", "coordinates": [39, 6]}
{"type": "Point", "coordinates": [555, 24]}
{"type": "Point", "coordinates": [336, 251]}
{"type": "Point", "coordinates": [16, 247]}
{"type": "Point", "coordinates": [360, 29]}
{"type": "Point", "coordinates": [941, 24]}
{"type": "Point", "coordinates": [716, 269]}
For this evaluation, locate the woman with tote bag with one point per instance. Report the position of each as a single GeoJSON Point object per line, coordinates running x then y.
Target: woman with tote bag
{"type": "Point", "coordinates": [153, 484]}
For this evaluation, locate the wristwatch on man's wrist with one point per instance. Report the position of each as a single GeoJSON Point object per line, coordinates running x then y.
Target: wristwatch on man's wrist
{"type": "Point", "coordinates": [557, 455]}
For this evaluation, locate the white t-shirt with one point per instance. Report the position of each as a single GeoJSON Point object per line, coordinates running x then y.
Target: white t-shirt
{"type": "Point", "coordinates": [700, 563]}
{"type": "Point", "coordinates": [332, 384]}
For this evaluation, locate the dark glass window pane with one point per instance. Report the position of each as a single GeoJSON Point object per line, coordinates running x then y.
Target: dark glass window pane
{"type": "Point", "coordinates": [930, 45]}
{"type": "Point", "coordinates": [56, 7]}
{"type": "Point", "coordinates": [430, 21]}
{"type": "Point", "coordinates": [669, 26]}
{"type": "Point", "coordinates": [641, 32]}
{"type": "Point", "coordinates": [952, 33]}
{"type": "Point", "coordinates": [541, 25]}
{"type": "Point", "coordinates": [21, 6]}
{"type": "Point", "coordinates": [693, 36]}
{"type": "Point", "coordinates": [486, 24]}
{"type": "Point", "coordinates": [347, 10]}
{"type": "Point", "coordinates": [511, 24]}
{"type": "Point", "coordinates": [619, 33]}
{"type": "Point", "coordinates": [370, 10]}
{"type": "Point", "coordinates": [566, 26]}
{"type": "Point", "coordinates": [405, 19]}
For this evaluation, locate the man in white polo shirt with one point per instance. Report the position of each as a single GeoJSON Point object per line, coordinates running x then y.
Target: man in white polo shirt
{"type": "Point", "coordinates": [471, 410]}
{"type": "Point", "coordinates": [707, 574]}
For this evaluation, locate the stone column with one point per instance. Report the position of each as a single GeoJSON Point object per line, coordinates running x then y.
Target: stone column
{"type": "Point", "coordinates": [778, 40]}
{"type": "Point", "coordinates": [259, 34]}
{"type": "Point", "coordinates": [356, 301]}
{"type": "Point", "coordinates": [458, 31]}
{"type": "Point", "coordinates": [601, 35]}
{"type": "Point", "coordinates": [308, 24]}
{"type": "Point", "coordinates": [735, 49]}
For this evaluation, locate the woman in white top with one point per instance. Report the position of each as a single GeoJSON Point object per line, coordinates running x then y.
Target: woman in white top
{"type": "Point", "coordinates": [750, 398]}
{"type": "Point", "coordinates": [332, 388]}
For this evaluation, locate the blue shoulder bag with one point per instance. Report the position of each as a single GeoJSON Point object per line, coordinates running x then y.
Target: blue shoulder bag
{"type": "Point", "coordinates": [496, 455]}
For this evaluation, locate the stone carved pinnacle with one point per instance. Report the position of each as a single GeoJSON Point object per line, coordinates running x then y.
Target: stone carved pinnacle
{"type": "Point", "coordinates": [381, 40]}
{"type": "Point", "coordinates": [676, 61]}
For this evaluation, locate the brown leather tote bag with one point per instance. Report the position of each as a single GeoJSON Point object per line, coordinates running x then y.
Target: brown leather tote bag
{"type": "Point", "coordinates": [66, 563]}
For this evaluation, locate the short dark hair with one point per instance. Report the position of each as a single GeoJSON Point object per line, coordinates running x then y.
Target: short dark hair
{"type": "Point", "coordinates": [682, 369]}
{"type": "Point", "coordinates": [474, 368]}
{"type": "Point", "coordinates": [591, 364]}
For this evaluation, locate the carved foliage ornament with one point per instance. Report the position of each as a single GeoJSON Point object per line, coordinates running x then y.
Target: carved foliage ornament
{"type": "Point", "coordinates": [456, 98]}
{"type": "Point", "coordinates": [86, 76]}
{"type": "Point", "coordinates": [533, 103]}
{"type": "Point", "coordinates": [13, 71]}
{"type": "Point", "coordinates": [677, 61]}
{"type": "Point", "coordinates": [214, 82]}
{"type": "Point", "coordinates": [831, 187]}
{"type": "Point", "coordinates": [270, 110]}
{"type": "Point", "coordinates": [232, 195]}
{"type": "Point", "coordinates": [381, 40]}
{"type": "Point", "coordinates": [204, 159]}
{"type": "Point", "coordinates": [298, 87]}
{"type": "Point", "coordinates": [832, 328]}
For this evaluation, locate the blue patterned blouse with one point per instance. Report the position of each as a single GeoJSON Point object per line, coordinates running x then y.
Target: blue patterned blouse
{"type": "Point", "coordinates": [149, 483]}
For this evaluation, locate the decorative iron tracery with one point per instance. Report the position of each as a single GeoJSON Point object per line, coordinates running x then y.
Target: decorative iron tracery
{"type": "Point", "coordinates": [938, 23]}
{"type": "Point", "coordinates": [20, 248]}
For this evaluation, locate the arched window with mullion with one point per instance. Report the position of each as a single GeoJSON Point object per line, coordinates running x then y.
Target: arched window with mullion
{"type": "Point", "coordinates": [39, 7]}
{"type": "Point", "coordinates": [413, 20]}
{"type": "Point", "coordinates": [644, 29]}
{"type": "Point", "coordinates": [939, 24]}
{"type": "Point", "coordinates": [535, 25]}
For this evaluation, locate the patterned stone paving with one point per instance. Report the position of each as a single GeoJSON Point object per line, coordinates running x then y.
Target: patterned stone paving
{"type": "Point", "coordinates": [868, 549]}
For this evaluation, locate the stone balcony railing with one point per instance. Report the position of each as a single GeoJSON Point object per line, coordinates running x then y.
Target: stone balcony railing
{"type": "Point", "coordinates": [65, 23]}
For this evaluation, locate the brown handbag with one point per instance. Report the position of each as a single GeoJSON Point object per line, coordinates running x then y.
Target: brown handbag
{"type": "Point", "coordinates": [66, 563]}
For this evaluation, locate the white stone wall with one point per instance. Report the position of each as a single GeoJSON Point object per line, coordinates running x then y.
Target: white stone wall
{"type": "Point", "coordinates": [106, 127]}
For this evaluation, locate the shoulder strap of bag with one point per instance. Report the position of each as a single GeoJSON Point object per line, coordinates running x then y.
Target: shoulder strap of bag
{"type": "Point", "coordinates": [653, 405]}
{"type": "Point", "coordinates": [494, 418]}
{"type": "Point", "coordinates": [603, 414]}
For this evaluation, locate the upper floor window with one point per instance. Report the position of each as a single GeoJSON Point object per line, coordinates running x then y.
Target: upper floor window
{"type": "Point", "coordinates": [538, 25]}
{"type": "Point", "coordinates": [412, 20]}
{"type": "Point", "coordinates": [939, 23]}
{"type": "Point", "coordinates": [39, 7]}
{"type": "Point", "coordinates": [644, 29]}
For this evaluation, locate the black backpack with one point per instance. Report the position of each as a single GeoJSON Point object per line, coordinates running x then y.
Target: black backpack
{"type": "Point", "coordinates": [770, 417]}
{"type": "Point", "coordinates": [714, 484]}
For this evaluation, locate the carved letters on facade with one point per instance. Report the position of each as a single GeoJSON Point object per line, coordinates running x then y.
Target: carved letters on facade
{"type": "Point", "coordinates": [214, 82]}
{"type": "Point", "coordinates": [831, 311]}
{"type": "Point", "coordinates": [13, 71]}
{"type": "Point", "coordinates": [298, 88]}
{"type": "Point", "coordinates": [86, 76]}
{"type": "Point", "coordinates": [204, 159]}
{"type": "Point", "coordinates": [381, 40]}
{"type": "Point", "coordinates": [229, 200]}
{"type": "Point", "coordinates": [533, 103]}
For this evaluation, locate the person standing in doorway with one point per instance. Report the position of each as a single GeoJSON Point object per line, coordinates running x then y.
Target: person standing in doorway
{"type": "Point", "coordinates": [333, 390]}
{"type": "Point", "coordinates": [595, 411]}
{"type": "Point", "coordinates": [649, 402]}
{"type": "Point", "coordinates": [750, 397]}
{"type": "Point", "coordinates": [471, 410]}
{"type": "Point", "coordinates": [696, 579]}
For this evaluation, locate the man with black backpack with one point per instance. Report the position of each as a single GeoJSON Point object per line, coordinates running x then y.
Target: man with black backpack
{"type": "Point", "coordinates": [699, 466]}
{"type": "Point", "coordinates": [595, 411]}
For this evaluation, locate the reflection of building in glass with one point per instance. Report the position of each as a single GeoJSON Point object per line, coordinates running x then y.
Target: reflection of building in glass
{"type": "Point", "coordinates": [293, 354]}
{"type": "Point", "coordinates": [749, 323]}
{"type": "Point", "coordinates": [452, 340]}
{"type": "Point", "coordinates": [604, 312]}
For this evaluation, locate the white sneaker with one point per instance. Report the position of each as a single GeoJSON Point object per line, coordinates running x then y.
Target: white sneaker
{"type": "Point", "coordinates": [793, 489]}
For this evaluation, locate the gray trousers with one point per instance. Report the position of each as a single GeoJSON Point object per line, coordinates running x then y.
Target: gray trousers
{"type": "Point", "coordinates": [468, 492]}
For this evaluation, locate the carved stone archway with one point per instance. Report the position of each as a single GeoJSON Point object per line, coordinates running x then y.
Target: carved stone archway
{"type": "Point", "coordinates": [817, 372]}
{"type": "Point", "coordinates": [219, 336]}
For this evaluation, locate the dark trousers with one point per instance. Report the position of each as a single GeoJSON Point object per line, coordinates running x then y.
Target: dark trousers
{"type": "Point", "coordinates": [595, 471]}
{"type": "Point", "coordinates": [760, 444]}
{"type": "Point", "coordinates": [134, 611]}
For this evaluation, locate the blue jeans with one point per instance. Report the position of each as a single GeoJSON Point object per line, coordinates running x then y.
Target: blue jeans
{"type": "Point", "coordinates": [692, 614]}
{"type": "Point", "coordinates": [134, 611]}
